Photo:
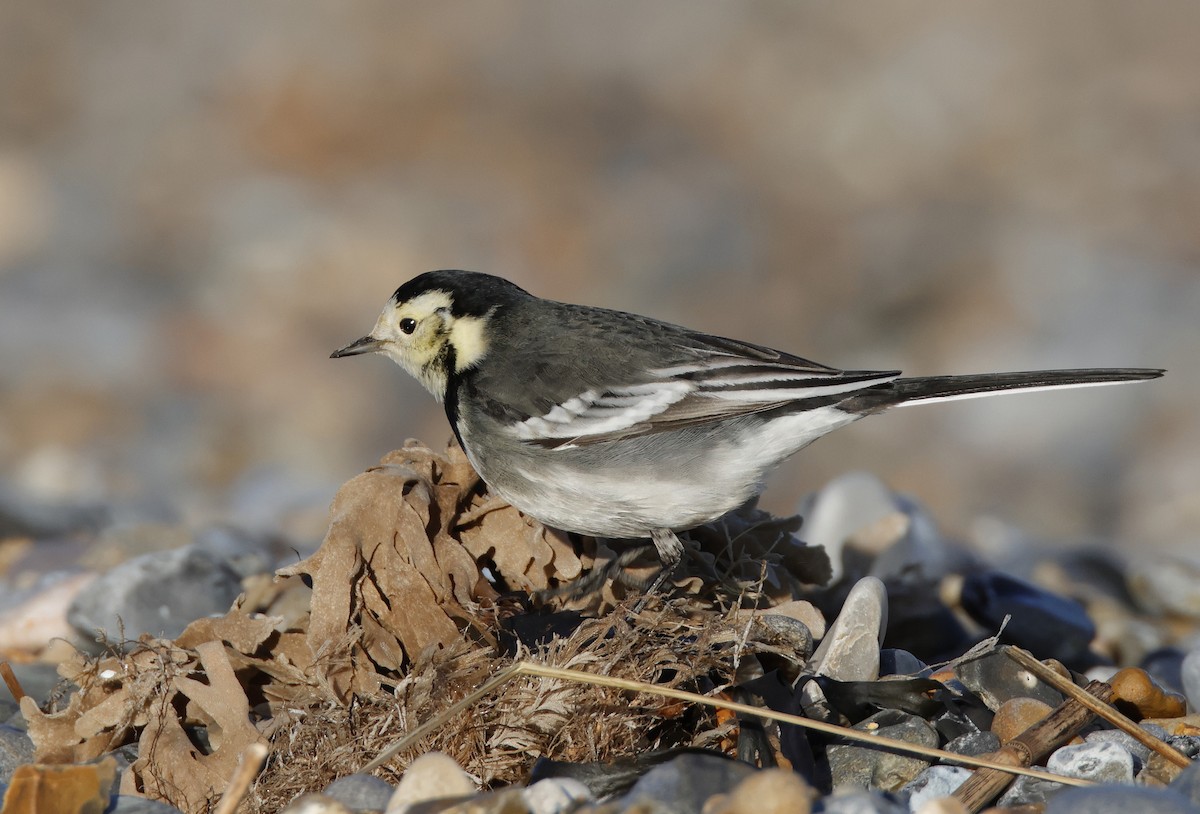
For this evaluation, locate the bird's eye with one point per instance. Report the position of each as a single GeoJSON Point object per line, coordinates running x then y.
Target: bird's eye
{"type": "Point", "coordinates": [408, 325]}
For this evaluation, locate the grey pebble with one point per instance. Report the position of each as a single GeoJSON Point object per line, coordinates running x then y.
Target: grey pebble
{"type": "Point", "coordinates": [1187, 784]}
{"type": "Point", "coordinates": [894, 661]}
{"type": "Point", "coordinates": [1104, 761]}
{"type": "Point", "coordinates": [859, 802]}
{"type": "Point", "coordinates": [974, 744]}
{"type": "Point", "coordinates": [1027, 790]}
{"type": "Point", "coordinates": [159, 593]}
{"type": "Point", "coordinates": [133, 804]}
{"type": "Point", "coordinates": [1119, 800]}
{"type": "Point", "coordinates": [867, 768]}
{"type": "Point", "coordinates": [16, 749]}
{"type": "Point", "coordinates": [850, 649]}
{"type": "Point", "coordinates": [360, 792]}
{"type": "Point", "coordinates": [1189, 678]}
{"type": "Point", "coordinates": [1140, 751]}
{"type": "Point", "coordinates": [934, 783]}
{"type": "Point", "coordinates": [996, 678]}
{"type": "Point", "coordinates": [845, 505]}
{"type": "Point", "coordinates": [683, 784]}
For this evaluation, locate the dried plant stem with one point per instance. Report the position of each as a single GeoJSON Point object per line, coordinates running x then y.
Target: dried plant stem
{"type": "Point", "coordinates": [526, 668]}
{"type": "Point", "coordinates": [1029, 747]}
{"type": "Point", "coordinates": [1105, 711]}
{"type": "Point", "coordinates": [10, 681]}
{"type": "Point", "coordinates": [251, 761]}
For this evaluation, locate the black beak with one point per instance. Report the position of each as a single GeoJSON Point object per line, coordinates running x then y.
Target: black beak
{"type": "Point", "coordinates": [368, 344]}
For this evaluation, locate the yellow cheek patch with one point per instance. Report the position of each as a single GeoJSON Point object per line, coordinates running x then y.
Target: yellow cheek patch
{"type": "Point", "coordinates": [468, 340]}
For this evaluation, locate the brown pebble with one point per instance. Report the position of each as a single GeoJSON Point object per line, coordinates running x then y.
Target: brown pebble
{"type": "Point", "coordinates": [1138, 695]}
{"type": "Point", "coordinates": [1016, 715]}
{"type": "Point", "coordinates": [770, 791]}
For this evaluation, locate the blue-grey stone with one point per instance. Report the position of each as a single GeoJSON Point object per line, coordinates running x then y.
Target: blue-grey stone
{"type": "Point", "coordinates": [859, 802]}
{"type": "Point", "coordinates": [1119, 800]}
{"type": "Point", "coordinates": [360, 792]}
{"type": "Point", "coordinates": [974, 744]}
{"type": "Point", "coordinates": [683, 784]}
{"type": "Point", "coordinates": [1027, 790]}
{"type": "Point", "coordinates": [896, 662]}
{"type": "Point", "coordinates": [1104, 761]}
{"type": "Point", "coordinates": [1187, 783]}
{"type": "Point", "coordinates": [159, 593]}
{"type": "Point", "coordinates": [864, 767]}
{"type": "Point", "coordinates": [933, 784]}
{"type": "Point", "coordinates": [16, 749]}
{"type": "Point", "coordinates": [133, 804]}
{"type": "Point", "coordinates": [1189, 678]}
{"type": "Point", "coordinates": [1140, 752]}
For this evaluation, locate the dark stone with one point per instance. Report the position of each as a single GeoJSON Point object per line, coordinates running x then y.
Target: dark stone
{"type": "Point", "coordinates": [896, 662]}
{"type": "Point", "coordinates": [1165, 665]}
{"type": "Point", "coordinates": [360, 792]}
{"type": "Point", "coordinates": [1045, 624]}
{"type": "Point", "coordinates": [996, 678]}
{"type": "Point", "coordinates": [974, 744]}
{"type": "Point", "coordinates": [683, 785]}
{"type": "Point", "coordinates": [133, 804]}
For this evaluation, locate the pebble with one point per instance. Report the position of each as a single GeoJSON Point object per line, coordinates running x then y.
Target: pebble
{"type": "Point", "coordinates": [360, 792]}
{"type": "Point", "coordinates": [974, 744]}
{"type": "Point", "coordinates": [896, 662]}
{"type": "Point", "coordinates": [1016, 715]}
{"type": "Point", "coordinates": [158, 593]}
{"type": "Point", "coordinates": [16, 749]}
{"type": "Point", "coordinates": [850, 649]}
{"type": "Point", "coordinates": [845, 505]}
{"type": "Point", "coordinates": [770, 791]}
{"type": "Point", "coordinates": [861, 802]}
{"type": "Point", "coordinates": [432, 776]}
{"type": "Point", "coordinates": [556, 795]}
{"type": "Point", "coordinates": [1119, 800]}
{"type": "Point", "coordinates": [134, 804]}
{"type": "Point", "coordinates": [315, 804]}
{"type": "Point", "coordinates": [1041, 622]}
{"type": "Point", "coordinates": [867, 768]}
{"type": "Point", "coordinates": [945, 805]}
{"type": "Point", "coordinates": [996, 678]}
{"type": "Point", "coordinates": [1102, 761]}
{"type": "Point", "coordinates": [1140, 751]}
{"type": "Point", "coordinates": [1187, 784]}
{"type": "Point", "coordinates": [683, 784]}
{"type": "Point", "coordinates": [1027, 790]}
{"type": "Point", "coordinates": [1165, 665]}
{"type": "Point", "coordinates": [1139, 696]}
{"type": "Point", "coordinates": [934, 783]}
{"type": "Point", "coordinates": [1166, 585]}
{"type": "Point", "coordinates": [1189, 678]}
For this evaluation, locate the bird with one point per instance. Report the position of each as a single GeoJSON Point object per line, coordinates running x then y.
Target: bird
{"type": "Point", "coordinates": [620, 426]}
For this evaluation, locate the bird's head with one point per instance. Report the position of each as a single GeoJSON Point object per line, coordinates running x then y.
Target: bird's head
{"type": "Point", "coordinates": [435, 325]}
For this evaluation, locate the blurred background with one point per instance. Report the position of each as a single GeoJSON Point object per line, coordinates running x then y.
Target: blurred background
{"type": "Point", "coordinates": [198, 202]}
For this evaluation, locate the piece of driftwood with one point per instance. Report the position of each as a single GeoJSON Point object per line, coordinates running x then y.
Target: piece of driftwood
{"type": "Point", "coordinates": [1031, 746]}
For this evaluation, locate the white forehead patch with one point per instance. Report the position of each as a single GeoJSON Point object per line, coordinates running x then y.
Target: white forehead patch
{"type": "Point", "coordinates": [425, 304]}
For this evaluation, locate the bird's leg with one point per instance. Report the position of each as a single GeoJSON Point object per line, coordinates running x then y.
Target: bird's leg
{"type": "Point", "coordinates": [670, 552]}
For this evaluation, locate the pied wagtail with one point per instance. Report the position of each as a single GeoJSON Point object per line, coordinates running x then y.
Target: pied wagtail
{"type": "Point", "coordinates": [616, 425]}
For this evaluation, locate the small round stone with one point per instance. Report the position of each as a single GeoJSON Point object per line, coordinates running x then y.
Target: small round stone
{"type": "Point", "coordinates": [1016, 715]}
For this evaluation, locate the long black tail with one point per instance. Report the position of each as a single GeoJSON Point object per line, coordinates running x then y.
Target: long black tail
{"type": "Point", "coordinates": [927, 389]}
